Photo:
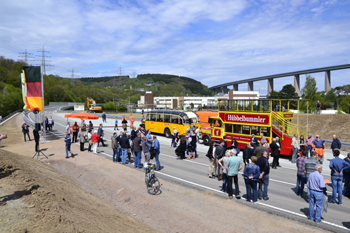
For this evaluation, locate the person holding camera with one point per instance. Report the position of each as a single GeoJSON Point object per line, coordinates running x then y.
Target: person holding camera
{"type": "Point", "coordinates": [25, 131]}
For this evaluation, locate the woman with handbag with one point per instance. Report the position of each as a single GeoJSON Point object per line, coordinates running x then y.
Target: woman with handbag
{"type": "Point", "coordinates": [181, 148]}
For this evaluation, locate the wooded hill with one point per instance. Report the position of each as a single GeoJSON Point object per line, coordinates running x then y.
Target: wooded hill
{"type": "Point", "coordinates": [58, 89]}
{"type": "Point", "coordinates": [160, 84]}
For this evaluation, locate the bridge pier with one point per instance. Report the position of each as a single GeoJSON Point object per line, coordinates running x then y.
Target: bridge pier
{"type": "Point", "coordinates": [297, 84]}
{"type": "Point", "coordinates": [224, 90]}
{"type": "Point", "coordinates": [327, 81]}
{"type": "Point", "coordinates": [250, 86]}
{"type": "Point", "coordinates": [269, 86]}
{"type": "Point", "coordinates": [217, 90]}
{"type": "Point", "coordinates": [235, 87]}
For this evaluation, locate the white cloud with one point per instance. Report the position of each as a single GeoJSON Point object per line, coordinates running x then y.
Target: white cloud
{"type": "Point", "coordinates": [211, 41]}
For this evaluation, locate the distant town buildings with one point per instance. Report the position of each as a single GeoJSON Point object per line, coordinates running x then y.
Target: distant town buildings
{"type": "Point", "coordinates": [149, 101]}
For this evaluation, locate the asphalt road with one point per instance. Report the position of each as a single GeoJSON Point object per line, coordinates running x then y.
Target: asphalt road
{"type": "Point", "coordinates": [194, 173]}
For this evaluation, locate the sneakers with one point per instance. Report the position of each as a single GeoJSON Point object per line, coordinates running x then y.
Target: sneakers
{"type": "Point", "coordinates": [238, 196]}
{"type": "Point", "coordinates": [256, 202]}
{"type": "Point", "coordinates": [230, 197]}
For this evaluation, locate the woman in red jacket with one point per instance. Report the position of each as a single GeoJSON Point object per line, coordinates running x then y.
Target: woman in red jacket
{"type": "Point", "coordinates": [95, 139]}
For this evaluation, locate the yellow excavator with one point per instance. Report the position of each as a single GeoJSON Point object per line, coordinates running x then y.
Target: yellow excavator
{"type": "Point", "coordinates": [91, 105]}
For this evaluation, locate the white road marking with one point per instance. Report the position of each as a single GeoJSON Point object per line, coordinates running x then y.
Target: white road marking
{"type": "Point", "coordinates": [263, 204]}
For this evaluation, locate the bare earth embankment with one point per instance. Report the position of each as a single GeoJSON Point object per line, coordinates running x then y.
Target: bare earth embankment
{"type": "Point", "coordinates": [89, 193]}
{"type": "Point", "coordinates": [327, 125]}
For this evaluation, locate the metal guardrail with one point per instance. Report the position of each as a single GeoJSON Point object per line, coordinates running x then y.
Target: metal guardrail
{"type": "Point", "coordinates": [7, 117]}
{"type": "Point", "coordinates": [27, 120]}
{"type": "Point", "coordinates": [343, 144]}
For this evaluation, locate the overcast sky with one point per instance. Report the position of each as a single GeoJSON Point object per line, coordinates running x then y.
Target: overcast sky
{"type": "Point", "coordinates": [210, 41]}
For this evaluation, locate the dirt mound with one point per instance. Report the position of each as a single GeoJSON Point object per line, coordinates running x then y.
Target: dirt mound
{"type": "Point", "coordinates": [327, 125]}
{"type": "Point", "coordinates": [39, 199]}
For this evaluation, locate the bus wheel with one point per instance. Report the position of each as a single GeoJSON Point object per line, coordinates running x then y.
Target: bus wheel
{"type": "Point", "coordinates": [206, 140]}
{"type": "Point", "coordinates": [167, 133]}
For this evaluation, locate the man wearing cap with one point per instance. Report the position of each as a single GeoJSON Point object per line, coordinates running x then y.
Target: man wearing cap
{"type": "Point", "coordinates": [316, 187]}
{"type": "Point", "coordinates": [234, 164]}
{"type": "Point", "coordinates": [319, 147]}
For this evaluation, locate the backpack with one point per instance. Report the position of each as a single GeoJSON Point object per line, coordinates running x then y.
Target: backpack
{"type": "Point", "coordinates": [152, 151]}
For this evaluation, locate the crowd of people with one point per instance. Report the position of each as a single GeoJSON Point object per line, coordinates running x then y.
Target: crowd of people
{"type": "Point", "coordinates": [124, 146]}
{"type": "Point", "coordinates": [308, 155]}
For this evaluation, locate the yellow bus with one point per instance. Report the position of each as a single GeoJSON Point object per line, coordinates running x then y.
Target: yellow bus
{"type": "Point", "coordinates": [164, 121]}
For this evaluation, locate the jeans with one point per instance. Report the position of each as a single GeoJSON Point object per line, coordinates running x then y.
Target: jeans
{"type": "Point", "coordinates": [137, 162]}
{"type": "Point", "coordinates": [347, 185]}
{"type": "Point", "coordinates": [308, 149]}
{"type": "Point", "coordinates": [115, 155]}
{"type": "Point", "coordinates": [295, 155]}
{"type": "Point", "coordinates": [300, 184]}
{"type": "Point", "coordinates": [157, 161]}
{"type": "Point", "coordinates": [315, 198]}
{"type": "Point", "coordinates": [229, 184]}
{"type": "Point", "coordinates": [264, 181]}
{"type": "Point", "coordinates": [337, 182]}
{"type": "Point", "coordinates": [89, 148]}
{"type": "Point", "coordinates": [224, 183]}
{"type": "Point", "coordinates": [124, 154]}
{"type": "Point", "coordinates": [251, 185]}
{"type": "Point", "coordinates": [68, 150]}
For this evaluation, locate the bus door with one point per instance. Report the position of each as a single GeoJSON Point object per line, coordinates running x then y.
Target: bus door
{"type": "Point", "coordinates": [217, 130]}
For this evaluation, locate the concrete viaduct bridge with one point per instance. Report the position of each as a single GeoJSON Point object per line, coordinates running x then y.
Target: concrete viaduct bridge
{"type": "Point", "coordinates": [270, 78]}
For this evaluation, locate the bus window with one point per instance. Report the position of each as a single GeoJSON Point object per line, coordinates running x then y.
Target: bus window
{"type": "Point", "coordinates": [167, 118]}
{"type": "Point", "coordinates": [255, 130]}
{"type": "Point", "coordinates": [266, 131]}
{"type": "Point", "coordinates": [246, 129]}
{"type": "Point", "coordinates": [161, 118]}
{"type": "Point", "coordinates": [237, 129]}
{"type": "Point", "coordinates": [228, 128]}
{"type": "Point", "coordinates": [174, 119]}
{"type": "Point", "coordinates": [148, 117]}
{"type": "Point", "coordinates": [153, 117]}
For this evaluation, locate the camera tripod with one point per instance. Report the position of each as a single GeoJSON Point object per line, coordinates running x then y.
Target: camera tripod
{"type": "Point", "coordinates": [38, 152]}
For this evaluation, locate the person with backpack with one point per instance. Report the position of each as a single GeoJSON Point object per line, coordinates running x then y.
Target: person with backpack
{"type": "Point", "coordinates": [115, 147]}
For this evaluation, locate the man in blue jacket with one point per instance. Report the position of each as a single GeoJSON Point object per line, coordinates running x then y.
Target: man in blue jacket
{"type": "Point", "coordinates": [157, 148]}
{"type": "Point", "coordinates": [68, 141]}
{"type": "Point", "coordinates": [336, 144]}
{"type": "Point", "coordinates": [337, 166]}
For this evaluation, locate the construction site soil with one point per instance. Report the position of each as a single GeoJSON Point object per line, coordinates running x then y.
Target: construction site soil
{"type": "Point", "coordinates": [89, 193]}
{"type": "Point", "coordinates": [326, 125]}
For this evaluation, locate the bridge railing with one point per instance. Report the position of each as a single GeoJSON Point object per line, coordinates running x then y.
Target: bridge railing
{"type": "Point", "coordinates": [3, 120]}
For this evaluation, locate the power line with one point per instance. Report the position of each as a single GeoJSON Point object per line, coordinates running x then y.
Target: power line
{"type": "Point", "coordinates": [120, 74]}
{"type": "Point", "coordinates": [73, 71]}
{"type": "Point", "coordinates": [43, 59]}
{"type": "Point", "coordinates": [26, 56]}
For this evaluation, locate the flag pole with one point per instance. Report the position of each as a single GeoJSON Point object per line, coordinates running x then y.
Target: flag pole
{"type": "Point", "coordinates": [43, 116]}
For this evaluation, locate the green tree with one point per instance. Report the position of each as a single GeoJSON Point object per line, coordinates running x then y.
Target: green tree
{"type": "Point", "coordinates": [288, 92]}
{"type": "Point", "coordinates": [192, 105]}
{"type": "Point", "coordinates": [345, 104]}
{"type": "Point", "coordinates": [309, 92]}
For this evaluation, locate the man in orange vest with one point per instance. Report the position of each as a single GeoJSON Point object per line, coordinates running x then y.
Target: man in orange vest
{"type": "Point", "coordinates": [75, 129]}
{"type": "Point", "coordinates": [132, 120]}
